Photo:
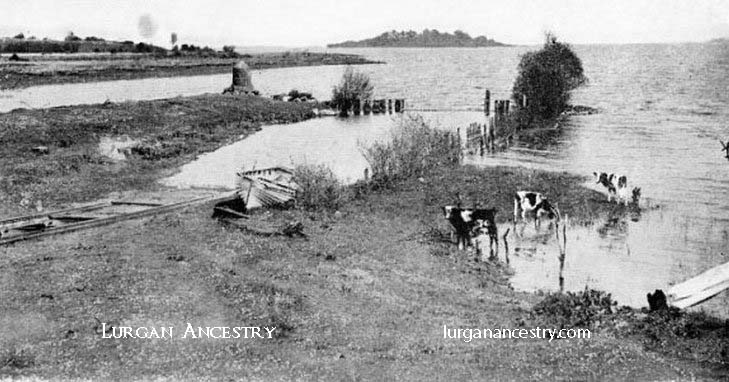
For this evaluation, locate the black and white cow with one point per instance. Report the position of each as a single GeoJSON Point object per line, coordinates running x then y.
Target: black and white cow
{"type": "Point", "coordinates": [606, 181]}
{"type": "Point", "coordinates": [533, 202]}
{"type": "Point", "coordinates": [468, 222]}
{"type": "Point", "coordinates": [487, 228]}
{"type": "Point", "coordinates": [617, 188]}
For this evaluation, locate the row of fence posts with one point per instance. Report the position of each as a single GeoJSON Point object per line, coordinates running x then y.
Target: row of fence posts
{"type": "Point", "coordinates": [484, 135]}
{"type": "Point", "coordinates": [377, 106]}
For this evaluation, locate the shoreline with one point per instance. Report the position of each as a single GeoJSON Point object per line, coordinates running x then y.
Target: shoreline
{"type": "Point", "coordinates": [167, 133]}
{"type": "Point", "coordinates": [381, 266]}
{"type": "Point", "coordinates": [53, 70]}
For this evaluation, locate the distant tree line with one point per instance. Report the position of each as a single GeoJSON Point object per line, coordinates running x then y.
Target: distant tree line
{"type": "Point", "coordinates": [74, 44]}
{"type": "Point", "coordinates": [427, 38]}
{"type": "Point", "coordinates": [92, 44]}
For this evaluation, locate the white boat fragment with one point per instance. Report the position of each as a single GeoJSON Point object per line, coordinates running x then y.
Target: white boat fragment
{"type": "Point", "coordinates": [700, 288]}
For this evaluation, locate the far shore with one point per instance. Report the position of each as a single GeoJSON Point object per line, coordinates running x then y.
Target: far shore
{"type": "Point", "coordinates": [35, 69]}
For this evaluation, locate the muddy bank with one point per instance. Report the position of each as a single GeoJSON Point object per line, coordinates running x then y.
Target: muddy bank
{"type": "Point", "coordinates": [40, 70]}
{"type": "Point", "coordinates": [52, 156]}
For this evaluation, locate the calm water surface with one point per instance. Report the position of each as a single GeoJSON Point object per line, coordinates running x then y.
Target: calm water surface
{"type": "Point", "coordinates": [663, 110]}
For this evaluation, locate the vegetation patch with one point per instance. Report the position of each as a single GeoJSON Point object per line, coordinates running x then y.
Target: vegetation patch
{"type": "Point", "coordinates": [354, 86]}
{"type": "Point", "coordinates": [693, 336]}
{"type": "Point", "coordinates": [414, 149]}
{"type": "Point", "coordinates": [319, 188]}
{"type": "Point", "coordinates": [546, 78]}
{"type": "Point", "coordinates": [689, 335]}
{"type": "Point", "coordinates": [576, 310]}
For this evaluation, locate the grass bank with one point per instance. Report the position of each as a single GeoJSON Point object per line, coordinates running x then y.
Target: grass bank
{"type": "Point", "coordinates": [62, 69]}
{"type": "Point", "coordinates": [365, 296]}
{"type": "Point", "coordinates": [168, 132]}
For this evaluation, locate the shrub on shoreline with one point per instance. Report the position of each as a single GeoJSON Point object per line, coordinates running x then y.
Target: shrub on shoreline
{"type": "Point", "coordinates": [414, 149]}
{"type": "Point", "coordinates": [318, 188]}
{"type": "Point", "coordinates": [353, 86]}
{"type": "Point", "coordinates": [546, 78]}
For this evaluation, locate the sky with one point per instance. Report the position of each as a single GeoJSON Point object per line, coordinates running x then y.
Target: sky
{"type": "Point", "coordinates": [318, 22]}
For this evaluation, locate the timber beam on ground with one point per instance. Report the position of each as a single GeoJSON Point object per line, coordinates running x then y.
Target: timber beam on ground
{"type": "Point", "coordinates": [41, 225]}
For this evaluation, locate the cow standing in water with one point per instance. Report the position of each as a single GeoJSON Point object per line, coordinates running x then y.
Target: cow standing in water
{"type": "Point", "coordinates": [469, 222]}
{"type": "Point", "coordinates": [533, 202]}
{"type": "Point", "coordinates": [617, 188]}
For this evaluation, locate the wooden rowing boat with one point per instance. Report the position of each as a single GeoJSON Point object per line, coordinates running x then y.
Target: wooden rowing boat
{"type": "Point", "coordinates": [268, 187]}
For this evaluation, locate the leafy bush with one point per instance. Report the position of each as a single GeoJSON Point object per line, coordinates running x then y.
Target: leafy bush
{"type": "Point", "coordinates": [413, 150]}
{"type": "Point", "coordinates": [318, 188]}
{"type": "Point", "coordinates": [295, 94]}
{"type": "Point", "coordinates": [581, 309]}
{"type": "Point", "coordinates": [353, 86]}
{"type": "Point", "coordinates": [546, 78]}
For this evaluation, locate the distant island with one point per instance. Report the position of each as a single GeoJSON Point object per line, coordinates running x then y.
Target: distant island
{"type": "Point", "coordinates": [426, 39]}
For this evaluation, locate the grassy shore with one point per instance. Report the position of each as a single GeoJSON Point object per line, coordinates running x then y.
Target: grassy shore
{"type": "Point", "coordinates": [364, 297]}
{"type": "Point", "coordinates": [169, 133]}
{"type": "Point", "coordinates": [61, 69]}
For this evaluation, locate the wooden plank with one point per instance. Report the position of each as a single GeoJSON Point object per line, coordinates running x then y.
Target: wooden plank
{"type": "Point", "coordinates": [117, 218]}
{"type": "Point", "coordinates": [702, 281]}
{"type": "Point", "coordinates": [23, 223]}
{"type": "Point", "coordinates": [700, 297]}
{"type": "Point", "coordinates": [124, 203]}
{"type": "Point", "coordinates": [94, 206]}
{"type": "Point", "coordinates": [700, 288]}
{"type": "Point", "coordinates": [74, 217]}
{"type": "Point", "coordinates": [33, 226]}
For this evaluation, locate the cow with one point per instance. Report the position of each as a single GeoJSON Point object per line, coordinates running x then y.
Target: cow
{"type": "Point", "coordinates": [486, 227]}
{"type": "Point", "coordinates": [606, 181]}
{"type": "Point", "coordinates": [617, 188]}
{"type": "Point", "coordinates": [623, 190]}
{"type": "Point", "coordinates": [533, 202]}
{"type": "Point", "coordinates": [468, 222]}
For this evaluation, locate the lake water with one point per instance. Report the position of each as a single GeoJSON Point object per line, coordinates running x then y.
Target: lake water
{"type": "Point", "coordinates": [663, 110]}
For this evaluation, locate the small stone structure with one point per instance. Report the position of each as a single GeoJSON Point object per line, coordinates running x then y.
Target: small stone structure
{"type": "Point", "coordinates": [242, 83]}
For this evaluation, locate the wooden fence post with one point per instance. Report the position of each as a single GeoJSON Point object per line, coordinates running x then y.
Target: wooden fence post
{"type": "Point", "coordinates": [492, 138]}
{"type": "Point", "coordinates": [483, 137]}
{"type": "Point", "coordinates": [356, 105]}
{"type": "Point", "coordinates": [487, 102]}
